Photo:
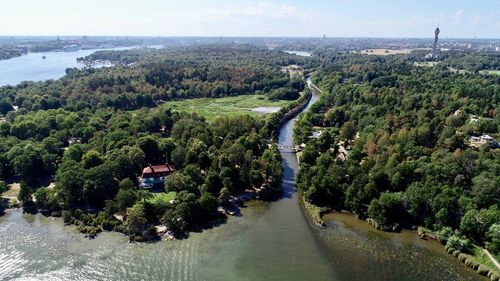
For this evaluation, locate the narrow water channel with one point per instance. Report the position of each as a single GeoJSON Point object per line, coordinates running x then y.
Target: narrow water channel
{"type": "Point", "coordinates": [270, 241]}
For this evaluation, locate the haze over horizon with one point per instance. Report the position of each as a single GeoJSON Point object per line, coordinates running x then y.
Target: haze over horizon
{"type": "Point", "coordinates": [295, 18]}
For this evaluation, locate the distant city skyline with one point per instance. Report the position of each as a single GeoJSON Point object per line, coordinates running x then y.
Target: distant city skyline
{"type": "Point", "coordinates": [294, 18]}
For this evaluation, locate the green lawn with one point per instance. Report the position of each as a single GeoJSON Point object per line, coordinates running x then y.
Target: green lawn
{"type": "Point", "coordinates": [211, 108]}
{"type": "Point", "coordinates": [162, 197]}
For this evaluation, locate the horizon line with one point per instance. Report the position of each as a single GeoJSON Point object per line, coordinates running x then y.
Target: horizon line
{"type": "Point", "coordinates": [256, 36]}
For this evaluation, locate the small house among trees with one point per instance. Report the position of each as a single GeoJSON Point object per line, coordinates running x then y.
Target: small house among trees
{"type": "Point", "coordinates": [155, 175]}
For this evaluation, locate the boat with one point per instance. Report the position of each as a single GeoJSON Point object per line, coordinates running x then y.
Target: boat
{"type": "Point", "coordinates": [44, 57]}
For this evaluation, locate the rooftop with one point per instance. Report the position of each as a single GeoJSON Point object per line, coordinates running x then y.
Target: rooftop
{"type": "Point", "coordinates": [158, 170]}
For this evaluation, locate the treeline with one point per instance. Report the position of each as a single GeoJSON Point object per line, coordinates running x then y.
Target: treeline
{"type": "Point", "coordinates": [79, 134]}
{"type": "Point", "coordinates": [474, 62]}
{"type": "Point", "coordinates": [406, 130]}
{"type": "Point", "coordinates": [275, 120]}
{"type": "Point", "coordinates": [8, 52]}
{"type": "Point", "coordinates": [161, 75]}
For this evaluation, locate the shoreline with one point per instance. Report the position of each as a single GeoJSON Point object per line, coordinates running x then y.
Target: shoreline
{"type": "Point", "coordinates": [315, 215]}
{"type": "Point", "coordinates": [236, 201]}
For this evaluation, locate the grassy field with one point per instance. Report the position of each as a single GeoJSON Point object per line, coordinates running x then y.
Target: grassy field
{"type": "Point", "coordinates": [212, 108]}
{"type": "Point", "coordinates": [425, 63]}
{"type": "Point", "coordinates": [386, 52]}
{"type": "Point", "coordinates": [163, 197]}
{"type": "Point", "coordinates": [490, 72]}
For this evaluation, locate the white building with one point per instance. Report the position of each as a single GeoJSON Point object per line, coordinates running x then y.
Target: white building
{"type": "Point", "coordinates": [482, 140]}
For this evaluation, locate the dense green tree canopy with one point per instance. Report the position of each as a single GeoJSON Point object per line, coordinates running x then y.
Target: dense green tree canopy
{"type": "Point", "coordinates": [406, 130]}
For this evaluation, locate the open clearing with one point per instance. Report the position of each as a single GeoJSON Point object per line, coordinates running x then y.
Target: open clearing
{"type": "Point", "coordinates": [162, 197]}
{"type": "Point", "coordinates": [12, 193]}
{"type": "Point", "coordinates": [211, 108]}
{"type": "Point", "coordinates": [425, 63]}
{"type": "Point", "coordinates": [490, 72]}
{"type": "Point", "coordinates": [387, 52]}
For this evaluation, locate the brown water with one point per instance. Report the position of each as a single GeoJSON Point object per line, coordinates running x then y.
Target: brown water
{"type": "Point", "coordinates": [370, 254]}
{"type": "Point", "coordinates": [270, 241]}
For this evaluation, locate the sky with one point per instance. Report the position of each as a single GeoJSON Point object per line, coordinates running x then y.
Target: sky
{"type": "Point", "coordinates": [292, 18]}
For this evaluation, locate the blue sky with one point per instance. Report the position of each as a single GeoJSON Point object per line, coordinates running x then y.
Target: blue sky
{"type": "Point", "coordinates": [346, 18]}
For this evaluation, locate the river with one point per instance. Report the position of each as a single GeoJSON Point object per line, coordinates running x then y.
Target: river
{"type": "Point", "coordinates": [270, 241]}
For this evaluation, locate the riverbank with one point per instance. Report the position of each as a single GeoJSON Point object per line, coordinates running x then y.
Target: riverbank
{"type": "Point", "coordinates": [475, 262]}
{"type": "Point", "coordinates": [277, 120]}
{"type": "Point", "coordinates": [476, 258]}
{"type": "Point", "coordinates": [316, 215]}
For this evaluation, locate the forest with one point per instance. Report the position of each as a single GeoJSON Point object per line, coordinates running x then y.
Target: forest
{"type": "Point", "coordinates": [407, 133]}
{"type": "Point", "coordinates": [155, 76]}
{"type": "Point", "coordinates": [92, 132]}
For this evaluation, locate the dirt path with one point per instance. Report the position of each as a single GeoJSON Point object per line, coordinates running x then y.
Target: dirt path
{"type": "Point", "coordinates": [495, 262]}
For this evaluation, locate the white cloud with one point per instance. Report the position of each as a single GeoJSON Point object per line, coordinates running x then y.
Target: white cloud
{"type": "Point", "coordinates": [457, 17]}
{"type": "Point", "coordinates": [262, 9]}
{"type": "Point", "coordinates": [418, 20]}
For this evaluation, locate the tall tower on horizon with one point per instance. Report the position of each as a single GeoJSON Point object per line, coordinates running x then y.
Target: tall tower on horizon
{"type": "Point", "coordinates": [436, 38]}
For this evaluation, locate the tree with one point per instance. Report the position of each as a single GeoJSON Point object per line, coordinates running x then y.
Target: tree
{"type": "Point", "coordinates": [125, 198]}
{"type": "Point", "coordinates": [135, 217]}
{"type": "Point", "coordinates": [91, 159]}
{"type": "Point", "coordinates": [460, 243]}
{"type": "Point", "coordinates": [25, 193]}
{"type": "Point", "coordinates": [325, 141]}
{"type": "Point", "coordinates": [207, 205]}
{"type": "Point", "coordinates": [493, 236]}
{"type": "Point", "coordinates": [224, 195]}
{"type": "Point", "coordinates": [99, 185]}
{"type": "Point", "coordinates": [186, 206]}
{"type": "Point", "coordinates": [166, 147]}
{"type": "Point", "coordinates": [27, 162]}
{"type": "Point", "coordinates": [178, 181]}
{"type": "Point", "coordinates": [486, 189]}
{"type": "Point", "coordinates": [45, 199]}
{"type": "Point", "coordinates": [137, 156]}
{"type": "Point", "coordinates": [3, 187]}
{"type": "Point", "coordinates": [476, 224]}
{"type": "Point", "coordinates": [348, 131]}
{"type": "Point", "coordinates": [5, 106]}
{"type": "Point", "coordinates": [151, 150]}
{"type": "Point", "coordinates": [172, 222]}
{"type": "Point", "coordinates": [74, 152]}
{"type": "Point", "coordinates": [126, 184]}
{"type": "Point", "coordinates": [194, 149]}
{"type": "Point", "coordinates": [387, 209]}
{"type": "Point", "coordinates": [178, 156]}
{"type": "Point", "coordinates": [416, 201]}
{"type": "Point", "coordinates": [69, 183]}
